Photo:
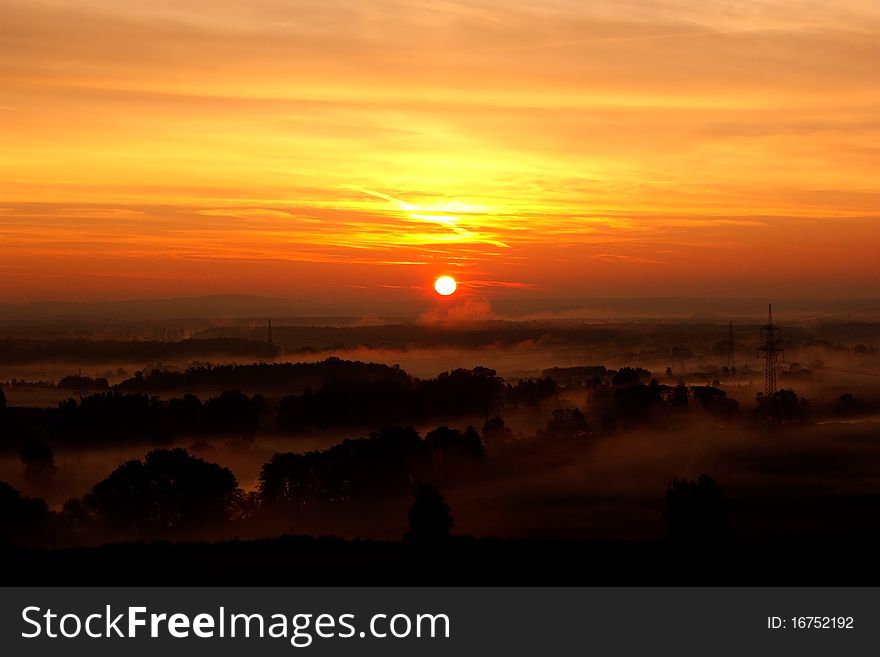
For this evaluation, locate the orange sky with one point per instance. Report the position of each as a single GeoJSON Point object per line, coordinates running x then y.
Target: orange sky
{"type": "Point", "coordinates": [359, 149]}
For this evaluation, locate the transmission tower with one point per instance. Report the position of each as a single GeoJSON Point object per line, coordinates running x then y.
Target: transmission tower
{"type": "Point", "coordinates": [731, 360]}
{"type": "Point", "coordinates": [771, 352]}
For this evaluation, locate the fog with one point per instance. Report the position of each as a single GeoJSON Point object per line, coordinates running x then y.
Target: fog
{"type": "Point", "coordinates": [811, 474]}
{"type": "Point", "coordinates": [795, 482]}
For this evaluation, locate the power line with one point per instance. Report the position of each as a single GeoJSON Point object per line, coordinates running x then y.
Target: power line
{"type": "Point", "coordinates": [846, 371]}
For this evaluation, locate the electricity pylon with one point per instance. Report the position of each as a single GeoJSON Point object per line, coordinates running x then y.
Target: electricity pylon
{"type": "Point", "coordinates": [771, 352]}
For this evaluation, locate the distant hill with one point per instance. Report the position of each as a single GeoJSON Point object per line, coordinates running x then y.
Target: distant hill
{"type": "Point", "coordinates": [214, 307]}
{"type": "Point", "coordinates": [529, 306]}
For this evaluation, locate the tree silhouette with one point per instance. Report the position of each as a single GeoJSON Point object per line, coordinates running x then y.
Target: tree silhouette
{"type": "Point", "coordinates": [168, 491]}
{"type": "Point", "coordinates": [23, 520]}
{"type": "Point", "coordinates": [496, 435]}
{"type": "Point", "coordinates": [234, 412]}
{"type": "Point", "coordinates": [695, 511]}
{"type": "Point", "coordinates": [847, 405]}
{"type": "Point", "coordinates": [637, 403]}
{"type": "Point", "coordinates": [575, 376]}
{"type": "Point", "coordinates": [629, 376]}
{"type": "Point", "coordinates": [783, 406]}
{"type": "Point", "coordinates": [2, 398]}
{"type": "Point", "coordinates": [39, 463]}
{"type": "Point", "coordinates": [430, 518]}
{"type": "Point", "coordinates": [566, 424]}
{"type": "Point", "coordinates": [455, 451]}
{"type": "Point", "coordinates": [381, 466]}
{"type": "Point", "coordinates": [531, 392]}
{"type": "Point", "coordinates": [675, 397]}
{"type": "Point", "coordinates": [462, 391]}
{"type": "Point", "coordinates": [714, 400]}
{"type": "Point", "coordinates": [77, 382]}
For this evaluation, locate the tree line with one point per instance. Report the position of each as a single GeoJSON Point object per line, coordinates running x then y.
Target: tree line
{"type": "Point", "coordinates": [171, 494]}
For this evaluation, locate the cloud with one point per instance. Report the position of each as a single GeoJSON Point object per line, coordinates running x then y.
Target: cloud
{"type": "Point", "coordinates": [620, 257]}
{"type": "Point", "coordinates": [469, 310]}
{"type": "Point", "coordinates": [515, 285]}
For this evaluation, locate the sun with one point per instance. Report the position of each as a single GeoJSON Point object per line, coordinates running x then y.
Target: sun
{"type": "Point", "coordinates": [445, 285]}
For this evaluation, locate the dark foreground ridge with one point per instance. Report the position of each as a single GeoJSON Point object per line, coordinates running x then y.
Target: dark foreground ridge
{"type": "Point", "coordinates": [302, 561]}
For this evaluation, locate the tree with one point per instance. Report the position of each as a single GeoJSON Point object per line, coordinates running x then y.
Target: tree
{"type": "Point", "coordinates": [77, 382]}
{"type": "Point", "coordinates": [462, 391]}
{"type": "Point", "coordinates": [848, 405]}
{"type": "Point", "coordinates": [675, 397]}
{"type": "Point", "coordinates": [39, 463]}
{"type": "Point", "coordinates": [566, 423]}
{"type": "Point", "coordinates": [531, 392]}
{"type": "Point", "coordinates": [23, 520]}
{"type": "Point", "coordinates": [634, 404]}
{"type": "Point", "coordinates": [456, 454]}
{"type": "Point", "coordinates": [169, 491]}
{"type": "Point", "coordinates": [496, 434]}
{"type": "Point", "coordinates": [363, 470]}
{"type": "Point", "coordinates": [695, 511]}
{"type": "Point", "coordinates": [629, 376]}
{"type": "Point", "coordinates": [714, 400]}
{"type": "Point", "coordinates": [783, 406]}
{"type": "Point", "coordinates": [233, 411]}
{"type": "Point", "coordinates": [2, 399]}
{"type": "Point", "coordinates": [454, 444]}
{"type": "Point", "coordinates": [430, 518]}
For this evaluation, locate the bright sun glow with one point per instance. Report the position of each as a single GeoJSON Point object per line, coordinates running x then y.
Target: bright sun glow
{"type": "Point", "coordinates": [445, 285]}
